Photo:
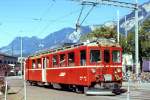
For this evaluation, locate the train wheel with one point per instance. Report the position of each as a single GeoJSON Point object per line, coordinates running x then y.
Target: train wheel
{"type": "Point", "coordinates": [81, 89]}
{"type": "Point", "coordinates": [56, 86]}
{"type": "Point", "coordinates": [78, 89]}
{"type": "Point", "coordinates": [50, 86]}
{"type": "Point", "coordinates": [65, 87]}
{"type": "Point", "coordinates": [30, 83]}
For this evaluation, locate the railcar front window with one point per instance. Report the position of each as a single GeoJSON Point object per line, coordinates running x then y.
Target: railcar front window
{"type": "Point", "coordinates": [106, 56]}
{"type": "Point", "coordinates": [95, 56]}
{"type": "Point", "coordinates": [116, 56]}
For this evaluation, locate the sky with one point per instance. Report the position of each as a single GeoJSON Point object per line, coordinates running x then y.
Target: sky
{"type": "Point", "coordinates": [42, 17]}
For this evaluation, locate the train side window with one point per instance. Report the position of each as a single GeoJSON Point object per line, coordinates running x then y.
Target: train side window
{"type": "Point", "coordinates": [83, 57]}
{"type": "Point", "coordinates": [116, 56]}
{"type": "Point", "coordinates": [106, 56]}
{"type": "Point", "coordinates": [33, 64]}
{"type": "Point", "coordinates": [47, 62]}
{"type": "Point", "coordinates": [95, 56]}
{"type": "Point", "coordinates": [62, 60]}
{"type": "Point", "coordinates": [55, 61]}
{"type": "Point", "coordinates": [39, 63]}
{"type": "Point", "coordinates": [71, 61]}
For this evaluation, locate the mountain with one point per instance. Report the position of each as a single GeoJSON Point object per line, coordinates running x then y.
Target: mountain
{"type": "Point", "coordinates": [53, 40]}
{"type": "Point", "coordinates": [29, 46]}
{"type": "Point", "coordinates": [127, 22]}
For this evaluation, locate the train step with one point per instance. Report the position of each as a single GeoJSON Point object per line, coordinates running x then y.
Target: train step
{"type": "Point", "coordinates": [100, 92]}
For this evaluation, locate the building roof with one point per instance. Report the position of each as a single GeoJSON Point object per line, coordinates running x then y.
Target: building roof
{"type": "Point", "coordinates": [6, 55]}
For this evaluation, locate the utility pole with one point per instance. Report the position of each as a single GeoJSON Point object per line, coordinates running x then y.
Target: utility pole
{"type": "Point", "coordinates": [23, 70]}
{"type": "Point", "coordinates": [6, 88]}
{"type": "Point", "coordinates": [21, 67]}
{"type": "Point", "coordinates": [136, 40]}
{"type": "Point", "coordinates": [118, 24]}
{"type": "Point", "coordinates": [25, 87]}
{"type": "Point", "coordinates": [128, 91]}
{"type": "Point", "coordinates": [12, 48]}
{"type": "Point", "coordinates": [126, 33]}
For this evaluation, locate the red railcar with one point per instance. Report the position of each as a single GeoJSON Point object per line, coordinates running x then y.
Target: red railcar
{"type": "Point", "coordinates": [92, 65]}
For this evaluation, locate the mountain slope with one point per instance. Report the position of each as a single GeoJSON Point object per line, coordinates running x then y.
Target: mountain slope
{"type": "Point", "coordinates": [53, 40]}
{"type": "Point", "coordinates": [143, 14]}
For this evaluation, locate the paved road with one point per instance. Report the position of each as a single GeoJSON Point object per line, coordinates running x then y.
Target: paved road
{"type": "Point", "coordinates": [42, 93]}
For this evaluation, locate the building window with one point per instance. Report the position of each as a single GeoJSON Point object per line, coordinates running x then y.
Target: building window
{"type": "Point", "coordinates": [8, 62]}
{"type": "Point", "coordinates": [71, 61]}
{"type": "Point", "coordinates": [11, 62]}
{"type": "Point", "coordinates": [116, 56]}
{"type": "Point", "coordinates": [5, 62]}
{"type": "Point", "coordinates": [95, 56]}
{"type": "Point", "coordinates": [0, 61]}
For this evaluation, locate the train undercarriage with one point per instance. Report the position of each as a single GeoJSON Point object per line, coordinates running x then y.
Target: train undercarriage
{"type": "Point", "coordinates": [105, 88]}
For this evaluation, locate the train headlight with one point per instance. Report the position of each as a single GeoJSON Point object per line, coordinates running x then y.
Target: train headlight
{"type": "Point", "coordinates": [115, 72]}
{"type": "Point", "coordinates": [118, 70]}
{"type": "Point", "coordinates": [93, 70]}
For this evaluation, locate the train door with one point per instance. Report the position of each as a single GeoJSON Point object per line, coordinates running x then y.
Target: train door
{"type": "Point", "coordinates": [44, 64]}
{"type": "Point", "coordinates": [26, 69]}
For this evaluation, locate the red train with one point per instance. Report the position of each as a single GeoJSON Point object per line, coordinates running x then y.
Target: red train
{"type": "Point", "coordinates": [96, 64]}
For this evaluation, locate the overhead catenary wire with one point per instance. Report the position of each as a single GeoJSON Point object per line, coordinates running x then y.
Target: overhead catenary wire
{"type": "Point", "coordinates": [80, 15]}
{"type": "Point", "coordinates": [88, 14]}
{"type": "Point", "coordinates": [78, 24]}
{"type": "Point", "coordinates": [58, 19]}
{"type": "Point", "coordinates": [43, 15]}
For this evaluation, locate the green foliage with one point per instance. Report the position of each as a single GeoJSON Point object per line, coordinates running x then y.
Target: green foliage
{"type": "Point", "coordinates": [144, 39]}
{"type": "Point", "coordinates": [102, 32]}
{"type": "Point", "coordinates": [127, 43]}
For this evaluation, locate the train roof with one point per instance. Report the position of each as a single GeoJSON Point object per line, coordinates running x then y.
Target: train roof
{"type": "Point", "coordinates": [67, 46]}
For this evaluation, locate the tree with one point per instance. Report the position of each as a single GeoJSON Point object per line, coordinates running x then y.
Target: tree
{"type": "Point", "coordinates": [102, 32]}
{"type": "Point", "coordinates": [127, 43]}
{"type": "Point", "coordinates": [105, 32]}
{"type": "Point", "coordinates": [144, 39]}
